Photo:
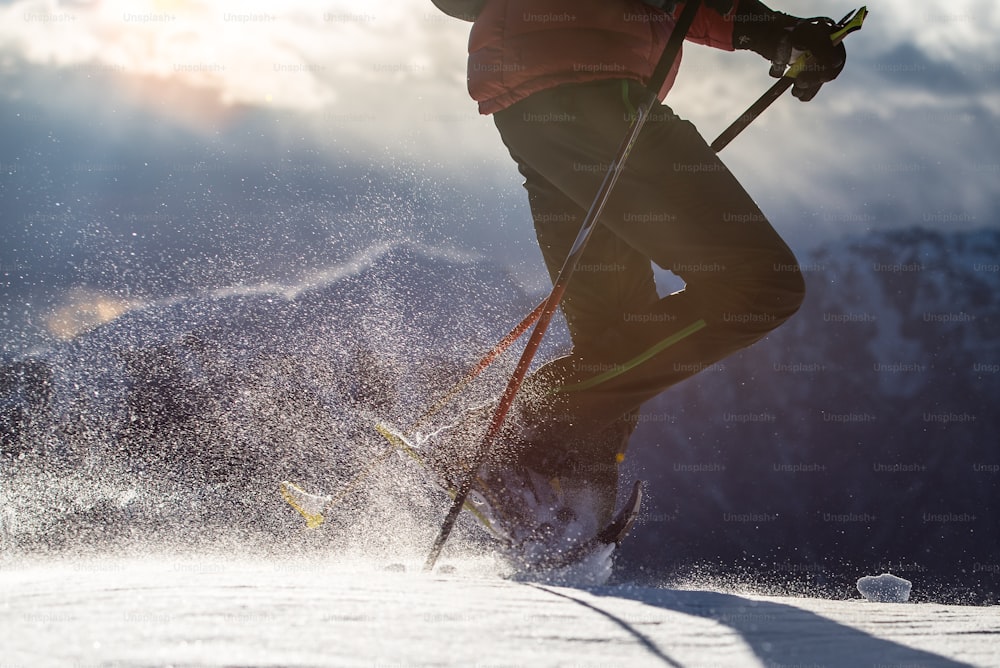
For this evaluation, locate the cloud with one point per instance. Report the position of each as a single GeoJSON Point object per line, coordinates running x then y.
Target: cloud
{"type": "Point", "coordinates": [325, 126]}
{"type": "Point", "coordinates": [247, 56]}
{"type": "Point", "coordinates": [392, 75]}
{"type": "Point", "coordinates": [387, 80]}
{"type": "Point", "coordinates": [386, 77]}
{"type": "Point", "coordinates": [292, 56]}
{"type": "Point", "coordinates": [957, 31]}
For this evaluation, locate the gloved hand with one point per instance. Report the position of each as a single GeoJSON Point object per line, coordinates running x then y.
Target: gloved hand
{"type": "Point", "coordinates": [782, 38]}
{"type": "Point", "coordinates": [826, 59]}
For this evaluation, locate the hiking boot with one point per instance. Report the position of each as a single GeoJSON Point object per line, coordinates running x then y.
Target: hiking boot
{"type": "Point", "coordinates": [538, 491]}
{"type": "Point", "coordinates": [539, 514]}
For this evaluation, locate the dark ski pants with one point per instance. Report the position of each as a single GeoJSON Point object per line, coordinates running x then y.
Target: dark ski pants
{"type": "Point", "coordinates": [675, 205]}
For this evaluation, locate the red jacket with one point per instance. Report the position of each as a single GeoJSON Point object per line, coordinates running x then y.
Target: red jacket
{"type": "Point", "coordinates": [519, 47]}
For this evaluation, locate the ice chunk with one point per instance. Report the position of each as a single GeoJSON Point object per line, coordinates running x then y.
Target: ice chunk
{"type": "Point", "coordinates": [885, 588]}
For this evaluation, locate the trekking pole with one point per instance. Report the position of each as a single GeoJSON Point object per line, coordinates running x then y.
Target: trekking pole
{"type": "Point", "coordinates": [847, 25]}
{"type": "Point", "coordinates": [656, 81]}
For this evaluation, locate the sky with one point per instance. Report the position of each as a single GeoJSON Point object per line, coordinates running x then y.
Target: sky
{"type": "Point", "coordinates": [150, 147]}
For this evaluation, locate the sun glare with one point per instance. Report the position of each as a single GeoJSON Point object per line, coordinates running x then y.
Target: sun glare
{"type": "Point", "coordinates": [202, 61]}
{"type": "Point", "coordinates": [248, 52]}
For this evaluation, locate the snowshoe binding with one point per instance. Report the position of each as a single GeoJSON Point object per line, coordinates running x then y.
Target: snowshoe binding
{"type": "Point", "coordinates": [546, 509]}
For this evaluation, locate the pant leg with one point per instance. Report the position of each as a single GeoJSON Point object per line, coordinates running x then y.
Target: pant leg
{"type": "Point", "coordinates": [677, 205]}
{"type": "Point", "coordinates": [612, 279]}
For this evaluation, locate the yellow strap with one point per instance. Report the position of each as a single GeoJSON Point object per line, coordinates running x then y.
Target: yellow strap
{"type": "Point", "coordinates": [627, 100]}
{"type": "Point", "coordinates": [635, 361]}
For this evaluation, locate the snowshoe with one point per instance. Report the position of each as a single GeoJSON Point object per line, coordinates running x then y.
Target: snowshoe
{"type": "Point", "coordinates": [546, 509]}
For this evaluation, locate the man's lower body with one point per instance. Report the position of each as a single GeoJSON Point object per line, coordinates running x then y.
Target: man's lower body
{"type": "Point", "coordinates": [675, 205]}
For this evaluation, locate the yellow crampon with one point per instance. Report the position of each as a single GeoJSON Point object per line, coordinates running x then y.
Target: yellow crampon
{"type": "Point", "coordinates": [299, 499]}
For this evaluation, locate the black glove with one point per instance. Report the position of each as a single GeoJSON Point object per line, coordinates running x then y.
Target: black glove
{"type": "Point", "coordinates": [782, 38]}
{"type": "Point", "coordinates": [826, 59]}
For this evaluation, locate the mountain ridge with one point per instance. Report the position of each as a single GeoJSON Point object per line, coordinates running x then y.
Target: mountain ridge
{"type": "Point", "coordinates": [864, 426]}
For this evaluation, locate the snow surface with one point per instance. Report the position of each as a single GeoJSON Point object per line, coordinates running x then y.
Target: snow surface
{"type": "Point", "coordinates": [210, 611]}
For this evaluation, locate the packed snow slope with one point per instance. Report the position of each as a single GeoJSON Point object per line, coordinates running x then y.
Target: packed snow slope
{"type": "Point", "coordinates": [859, 438]}
{"type": "Point", "coordinates": [116, 611]}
